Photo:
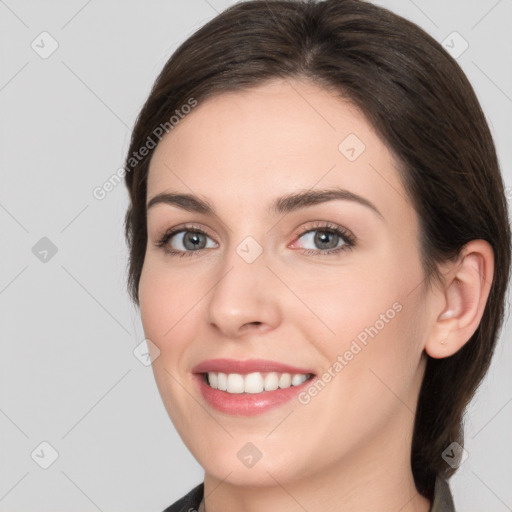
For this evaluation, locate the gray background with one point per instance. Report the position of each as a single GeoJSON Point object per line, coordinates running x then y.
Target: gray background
{"type": "Point", "coordinates": [68, 330]}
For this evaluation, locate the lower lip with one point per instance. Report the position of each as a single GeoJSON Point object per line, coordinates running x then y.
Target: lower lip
{"type": "Point", "coordinates": [248, 404]}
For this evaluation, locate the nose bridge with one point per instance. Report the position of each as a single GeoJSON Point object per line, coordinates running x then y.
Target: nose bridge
{"type": "Point", "coordinates": [243, 294]}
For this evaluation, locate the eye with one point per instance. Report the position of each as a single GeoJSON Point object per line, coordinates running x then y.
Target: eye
{"type": "Point", "coordinates": [184, 241]}
{"type": "Point", "coordinates": [188, 240]}
{"type": "Point", "coordinates": [330, 238]}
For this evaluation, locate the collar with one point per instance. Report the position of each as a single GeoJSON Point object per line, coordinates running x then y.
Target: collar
{"type": "Point", "coordinates": [442, 500]}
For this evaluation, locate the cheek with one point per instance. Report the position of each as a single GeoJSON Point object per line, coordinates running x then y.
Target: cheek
{"type": "Point", "coordinates": [373, 315]}
{"type": "Point", "coordinates": [166, 305]}
{"type": "Point", "coordinates": [166, 310]}
{"type": "Point", "coordinates": [356, 299]}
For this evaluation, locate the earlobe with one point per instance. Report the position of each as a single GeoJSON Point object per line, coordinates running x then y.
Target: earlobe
{"type": "Point", "coordinates": [466, 288]}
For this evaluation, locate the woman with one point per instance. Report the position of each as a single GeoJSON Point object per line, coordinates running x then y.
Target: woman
{"type": "Point", "coordinates": [320, 249]}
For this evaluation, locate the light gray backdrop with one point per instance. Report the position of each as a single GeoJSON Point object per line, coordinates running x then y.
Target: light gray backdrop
{"type": "Point", "coordinates": [73, 76]}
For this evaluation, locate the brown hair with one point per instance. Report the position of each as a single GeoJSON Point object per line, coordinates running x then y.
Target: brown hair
{"type": "Point", "coordinates": [424, 109]}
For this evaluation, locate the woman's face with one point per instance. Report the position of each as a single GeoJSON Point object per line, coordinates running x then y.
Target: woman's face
{"type": "Point", "coordinates": [259, 282]}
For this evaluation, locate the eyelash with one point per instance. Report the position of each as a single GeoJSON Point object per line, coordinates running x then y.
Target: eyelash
{"type": "Point", "coordinates": [326, 227]}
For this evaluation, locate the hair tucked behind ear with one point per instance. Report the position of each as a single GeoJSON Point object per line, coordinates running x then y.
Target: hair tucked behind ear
{"type": "Point", "coordinates": [424, 109]}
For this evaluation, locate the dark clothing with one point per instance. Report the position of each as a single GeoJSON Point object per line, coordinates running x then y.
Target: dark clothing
{"type": "Point", "coordinates": [442, 499]}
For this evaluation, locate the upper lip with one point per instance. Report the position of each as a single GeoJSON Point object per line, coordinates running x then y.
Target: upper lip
{"type": "Point", "coordinates": [246, 366]}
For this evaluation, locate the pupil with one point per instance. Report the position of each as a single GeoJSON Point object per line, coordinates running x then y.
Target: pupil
{"type": "Point", "coordinates": [321, 238]}
{"type": "Point", "coordinates": [191, 240]}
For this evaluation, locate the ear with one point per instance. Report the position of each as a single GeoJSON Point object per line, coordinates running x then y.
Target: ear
{"type": "Point", "coordinates": [460, 306]}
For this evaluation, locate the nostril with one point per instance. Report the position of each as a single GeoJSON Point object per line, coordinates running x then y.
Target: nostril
{"type": "Point", "coordinates": [249, 324]}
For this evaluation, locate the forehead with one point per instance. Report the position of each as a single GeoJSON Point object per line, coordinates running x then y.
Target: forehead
{"type": "Point", "coordinates": [271, 140]}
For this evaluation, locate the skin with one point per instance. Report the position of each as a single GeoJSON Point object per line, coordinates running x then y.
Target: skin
{"type": "Point", "coordinates": [348, 449]}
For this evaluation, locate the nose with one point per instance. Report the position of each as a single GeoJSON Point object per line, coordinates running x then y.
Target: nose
{"type": "Point", "coordinates": [244, 300]}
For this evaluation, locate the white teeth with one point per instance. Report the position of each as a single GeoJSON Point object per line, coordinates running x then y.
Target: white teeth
{"type": "Point", "coordinates": [255, 382]}
{"type": "Point", "coordinates": [222, 381]}
{"type": "Point", "coordinates": [212, 379]}
{"type": "Point", "coordinates": [271, 381]}
{"type": "Point", "coordinates": [235, 383]}
{"type": "Point", "coordinates": [298, 379]}
{"type": "Point", "coordinates": [285, 381]}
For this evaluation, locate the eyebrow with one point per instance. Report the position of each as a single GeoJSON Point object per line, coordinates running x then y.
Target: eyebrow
{"type": "Point", "coordinates": [285, 204]}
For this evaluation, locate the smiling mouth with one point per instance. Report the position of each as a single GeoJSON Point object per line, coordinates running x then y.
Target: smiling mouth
{"type": "Point", "coordinates": [255, 382]}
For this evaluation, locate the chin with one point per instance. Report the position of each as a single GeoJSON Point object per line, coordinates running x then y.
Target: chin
{"type": "Point", "coordinates": [260, 475]}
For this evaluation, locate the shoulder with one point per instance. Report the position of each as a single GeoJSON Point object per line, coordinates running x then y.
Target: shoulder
{"type": "Point", "coordinates": [188, 503]}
